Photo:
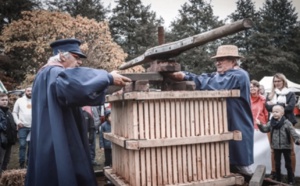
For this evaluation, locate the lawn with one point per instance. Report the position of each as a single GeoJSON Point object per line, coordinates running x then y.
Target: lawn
{"type": "Point", "coordinates": [14, 160]}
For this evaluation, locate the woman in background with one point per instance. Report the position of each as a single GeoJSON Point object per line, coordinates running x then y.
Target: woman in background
{"type": "Point", "coordinates": [281, 95]}
{"type": "Point", "coordinates": [259, 111]}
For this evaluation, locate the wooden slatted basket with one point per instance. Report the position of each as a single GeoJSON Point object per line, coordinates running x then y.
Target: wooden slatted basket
{"type": "Point", "coordinates": [171, 138]}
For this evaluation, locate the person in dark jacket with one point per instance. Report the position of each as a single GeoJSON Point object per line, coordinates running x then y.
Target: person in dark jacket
{"type": "Point", "coordinates": [281, 130]}
{"type": "Point", "coordinates": [8, 132]}
{"type": "Point", "coordinates": [89, 122]}
{"type": "Point", "coordinates": [280, 94]}
{"type": "Point", "coordinates": [104, 143]}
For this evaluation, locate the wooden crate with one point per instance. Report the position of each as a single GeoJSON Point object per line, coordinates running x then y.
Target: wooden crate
{"type": "Point", "coordinates": [171, 138]}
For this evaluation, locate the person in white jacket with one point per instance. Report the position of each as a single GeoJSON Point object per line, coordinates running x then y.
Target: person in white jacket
{"type": "Point", "coordinates": [22, 116]}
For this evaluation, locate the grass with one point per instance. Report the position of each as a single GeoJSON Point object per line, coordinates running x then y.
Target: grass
{"type": "Point", "coordinates": [14, 158]}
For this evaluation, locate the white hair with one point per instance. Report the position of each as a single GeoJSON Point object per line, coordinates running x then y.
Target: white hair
{"type": "Point", "coordinates": [57, 57]}
{"type": "Point", "coordinates": [238, 62]}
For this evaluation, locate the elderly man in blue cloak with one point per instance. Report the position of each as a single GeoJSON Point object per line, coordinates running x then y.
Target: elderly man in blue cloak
{"type": "Point", "coordinates": [59, 151]}
{"type": "Point", "coordinates": [230, 76]}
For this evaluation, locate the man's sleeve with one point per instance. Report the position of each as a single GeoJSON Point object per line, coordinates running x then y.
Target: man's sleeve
{"type": "Point", "coordinates": [3, 122]}
{"type": "Point", "coordinates": [101, 139]}
{"type": "Point", "coordinates": [189, 76]}
{"type": "Point", "coordinates": [15, 112]}
{"type": "Point", "coordinates": [82, 86]}
{"type": "Point", "coordinates": [290, 103]}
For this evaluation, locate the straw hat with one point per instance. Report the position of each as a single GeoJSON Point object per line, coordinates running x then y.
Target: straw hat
{"type": "Point", "coordinates": [227, 51]}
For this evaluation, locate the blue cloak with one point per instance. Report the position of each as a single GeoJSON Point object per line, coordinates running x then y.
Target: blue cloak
{"type": "Point", "coordinates": [238, 110]}
{"type": "Point", "coordinates": [59, 153]}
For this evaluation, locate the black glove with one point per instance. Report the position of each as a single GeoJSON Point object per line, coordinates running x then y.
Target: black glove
{"type": "Point", "coordinates": [297, 142]}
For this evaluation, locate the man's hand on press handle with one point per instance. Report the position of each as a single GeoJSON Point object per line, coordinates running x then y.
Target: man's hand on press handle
{"type": "Point", "coordinates": [119, 80]}
{"type": "Point", "coordinates": [177, 76]}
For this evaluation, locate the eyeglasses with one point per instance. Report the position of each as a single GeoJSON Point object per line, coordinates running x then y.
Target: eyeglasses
{"type": "Point", "coordinates": [277, 81]}
{"type": "Point", "coordinates": [75, 56]}
{"type": "Point", "coordinates": [222, 59]}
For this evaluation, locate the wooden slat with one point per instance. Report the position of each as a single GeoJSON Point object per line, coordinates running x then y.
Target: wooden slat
{"type": "Point", "coordinates": [168, 135]}
{"type": "Point", "coordinates": [150, 76]}
{"type": "Point", "coordinates": [197, 133]}
{"type": "Point", "coordinates": [146, 143]}
{"type": "Point", "coordinates": [134, 155]}
{"type": "Point", "coordinates": [163, 136]}
{"type": "Point", "coordinates": [124, 167]}
{"type": "Point", "coordinates": [141, 123]}
{"type": "Point", "coordinates": [183, 134]}
{"type": "Point", "coordinates": [117, 125]}
{"type": "Point", "coordinates": [224, 106]}
{"type": "Point", "coordinates": [212, 145]}
{"type": "Point", "coordinates": [193, 147]}
{"type": "Point", "coordinates": [147, 135]}
{"type": "Point", "coordinates": [158, 150]}
{"type": "Point", "coordinates": [113, 130]}
{"type": "Point", "coordinates": [173, 95]}
{"type": "Point", "coordinates": [202, 131]}
{"type": "Point", "coordinates": [217, 126]}
{"type": "Point", "coordinates": [114, 158]}
{"type": "Point", "coordinates": [188, 134]}
{"type": "Point", "coordinates": [115, 179]}
{"type": "Point", "coordinates": [208, 145]}
{"type": "Point", "coordinates": [153, 150]}
{"type": "Point", "coordinates": [179, 148]}
{"type": "Point", "coordinates": [126, 125]}
{"type": "Point", "coordinates": [234, 180]}
{"type": "Point", "coordinates": [173, 135]}
{"type": "Point", "coordinates": [221, 130]}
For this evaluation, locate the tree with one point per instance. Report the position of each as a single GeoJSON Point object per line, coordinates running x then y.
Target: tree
{"type": "Point", "coordinates": [195, 17]}
{"type": "Point", "coordinates": [5, 73]}
{"type": "Point", "coordinates": [273, 40]}
{"type": "Point", "coordinates": [11, 10]}
{"type": "Point", "coordinates": [244, 39]}
{"type": "Point", "coordinates": [92, 9]}
{"type": "Point", "coordinates": [295, 48]}
{"type": "Point", "coordinates": [27, 41]}
{"type": "Point", "coordinates": [134, 27]}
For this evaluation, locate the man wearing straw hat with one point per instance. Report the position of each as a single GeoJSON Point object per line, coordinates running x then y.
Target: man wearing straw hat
{"type": "Point", "coordinates": [230, 76]}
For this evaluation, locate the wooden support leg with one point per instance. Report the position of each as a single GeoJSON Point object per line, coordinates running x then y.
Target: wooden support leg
{"type": "Point", "coordinates": [258, 176]}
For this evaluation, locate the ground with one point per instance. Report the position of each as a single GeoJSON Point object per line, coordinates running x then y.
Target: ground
{"type": "Point", "coordinates": [14, 164]}
{"type": "Point", "coordinates": [99, 158]}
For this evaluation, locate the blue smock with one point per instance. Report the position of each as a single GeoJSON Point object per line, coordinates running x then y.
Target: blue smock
{"type": "Point", "coordinates": [59, 152]}
{"type": "Point", "coordinates": [238, 110]}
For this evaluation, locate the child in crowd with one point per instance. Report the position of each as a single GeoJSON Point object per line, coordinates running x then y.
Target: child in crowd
{"type": "Point", "coordinates": [104, 143]}
{"type": "Point", "coordinates": [281, 132]}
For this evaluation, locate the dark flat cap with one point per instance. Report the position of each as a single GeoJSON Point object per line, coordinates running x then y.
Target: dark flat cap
{"type": "Point", "coordinates": [67, 45]}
